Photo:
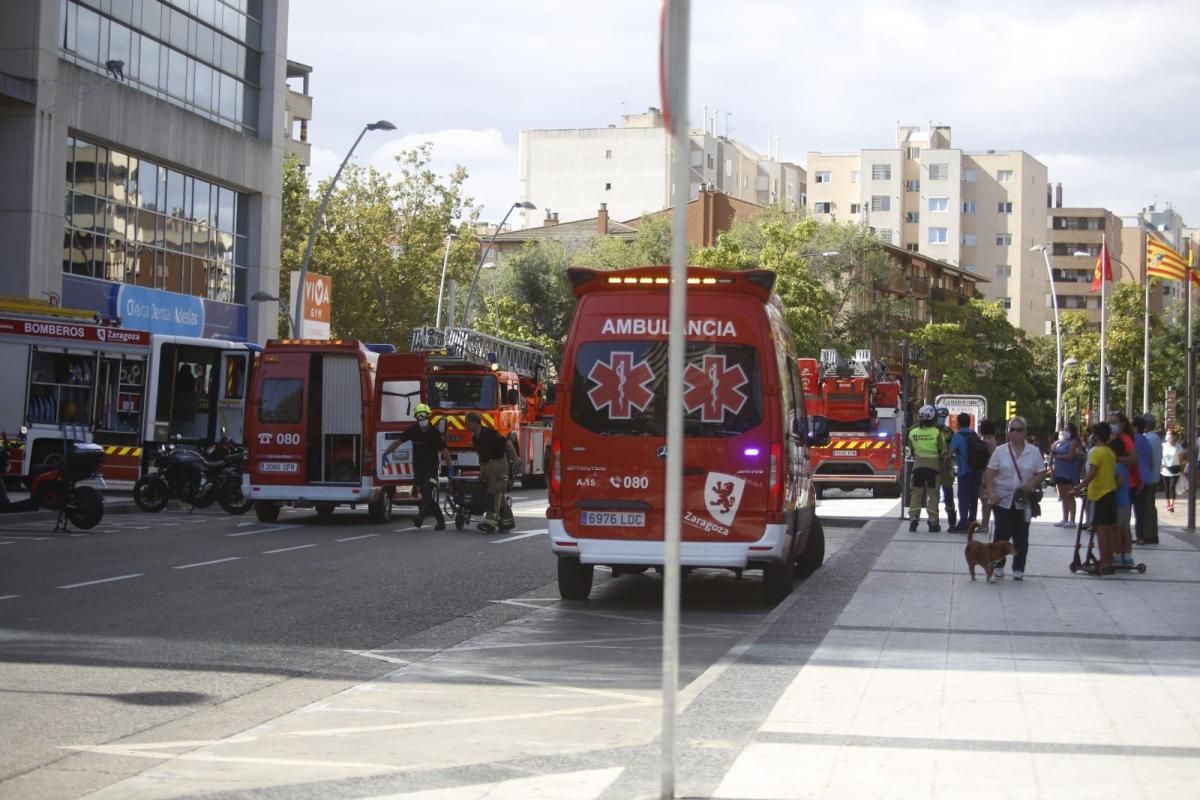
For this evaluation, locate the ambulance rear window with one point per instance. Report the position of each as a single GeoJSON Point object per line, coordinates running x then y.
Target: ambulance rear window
{"type": "Point", "coordinates": [620, 389]}
{"type": "Point", "coordinates": [463, 391]}
{"type": "Point", "coordinates": [281, 401]}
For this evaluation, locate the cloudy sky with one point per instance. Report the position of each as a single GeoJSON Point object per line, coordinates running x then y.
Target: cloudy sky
{"type": "Point", "coordinates": [1106, 94]}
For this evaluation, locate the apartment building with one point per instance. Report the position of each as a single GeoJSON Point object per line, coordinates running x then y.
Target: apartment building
{"type": "Point", "coordinates": [143, 154]}
{"type": "Point", "coordinates": [979, 211]}
{"type": "Point", "coordinates": [1073, 238]}
{"type": "Point", "coordinates": [628, 167]}
{"type": "Point", "coordinates": [297, 109]}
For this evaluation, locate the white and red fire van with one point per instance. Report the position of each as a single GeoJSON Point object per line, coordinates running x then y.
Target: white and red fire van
{"type": "Point", "coordinates": [748, 498]}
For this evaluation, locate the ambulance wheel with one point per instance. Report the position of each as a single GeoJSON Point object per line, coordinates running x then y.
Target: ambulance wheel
{"type": "Point", "coordinates": [266, 511]}
{"type": "Point", "coordinates": [574, 579]}
{"type": "Point", "coordinates": [779, 578]}
{"type": "Point", "coordinates": [460, 522]}
{"type": "Point", "coordinates": [814, 552]}
{"type": "Point", "coordinates": [325, 511]}
{"type": "Point", "coordinates": [381, 509]}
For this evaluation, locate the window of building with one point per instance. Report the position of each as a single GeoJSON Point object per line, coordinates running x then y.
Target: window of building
{"type": "Point", "coordinates": [937, 235]}
{"type": "Point", "coordinates": [884, 235]}
{"type": "Point", "coordinates": [1003, 239]}
{"type": "Point", "coordinates": [208, 62]}
{"type": "Point", "coordinates": [856, 208]}
{"type": "Point", "coordinates": [914, 152]}
{"type": "Point", "coordinates": [968, 207]}
{"type": "Point", "coordinates": [881, 172]}
{"type": "Point", "coordinates": [939, 203]}
{"type": "Point", "coordinates": [1007, 303]}
{"type": "Point", "coordinates": [912, 216]}
{"type": "Point", "coordinates": [1004, 175]}
{"type": "Point", "coordinates": [608, 187]}
{"type": "Point", "coordinates": [823, 208]}
{"type": "Point", "coordinates": [912, 247]}
{"type": "Point", "coordinates": [1003, 271]}
{"type": "Point", "coordinates": [729, 168]}
{"type": "Point", "coordinates": [968, 240]}
{"type": "Point", "coordinates": [824, 176]}
{"type": "Point", "coordinates": [1004, 207]}
{"type": "Point", "coordinates": [745, 181]}
{"type": "Point", "coordinates": [969, 176]}
{"type": "Point", "coordinates": [854, 175]}
{"type": "Point", "coordinates": [608, 156]}
{"type": "Point", "coordinates": [939, 172]}
{"type": "Point", "coordinates": [129, 220]}
{"type": "Point", "coordinates": [881, 202]}
{"type": "Point", "coordinates": [912, 186]}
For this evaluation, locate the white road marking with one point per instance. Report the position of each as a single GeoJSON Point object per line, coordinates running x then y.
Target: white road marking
{"type": "Point", "coordinates": [353, 538]}
{"type": "Point", "coordinates": [102, 580]}
{"type": "Point", "coordinates": [9, 597]}
{"type": "Point", "coordinates": [542, 532]}
{"type": "Point", "coordinates": [7, 542]}
{"type": "Point", "coordinates": [272, 529]}
{"type": "Point", "coordinates": [207, 563]}
{"type": "Point", "coordinates": [407, 530]}
{"type": "Point", "coordinates": [286, 549]}
{"type": "Point", "coordinates": [379, 657]}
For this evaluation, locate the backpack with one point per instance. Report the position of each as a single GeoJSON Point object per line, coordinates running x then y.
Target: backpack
{"type": "Point", "coordinates": [977, 451]}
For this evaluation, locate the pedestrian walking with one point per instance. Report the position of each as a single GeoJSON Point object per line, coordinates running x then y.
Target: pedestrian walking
{"type": "Point", "coordinates": [1068, 454]}
{"type": "Point", "coordinates": [1172, 468]}
{"type": "Point", "coordinates": [946, 468]}
{"type": "Point", "coordinates": [1012, 481]}
{"type": "Point", "coordinates": [428, 447]}
{"type": "Point", "coordinates": [929, 450]}
{"type": "Point", "coordinates": [971, 455]}
{"type": "Point", "coordinates": [1150, 480]}
{"type": "Point", "coordinates": [495, 454]}
{"type": "Point", "coordinates": [1100, 484]}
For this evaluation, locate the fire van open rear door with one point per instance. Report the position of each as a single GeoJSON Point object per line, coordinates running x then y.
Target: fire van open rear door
{"type": "Point", "coordinates": [400, 384]}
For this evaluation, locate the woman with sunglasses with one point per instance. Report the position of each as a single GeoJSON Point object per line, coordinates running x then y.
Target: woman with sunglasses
{"type": "Point", "coordinates": [1014, 471]}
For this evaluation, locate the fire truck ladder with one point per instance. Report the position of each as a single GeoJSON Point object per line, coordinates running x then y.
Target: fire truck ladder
{"type": "Point", "coordinates": [471, 345]}
{"type": "Point", "coordinates": [861, 366]}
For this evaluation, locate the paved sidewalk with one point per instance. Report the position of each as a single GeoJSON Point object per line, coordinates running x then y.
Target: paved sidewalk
{"type": "Point", "coordinates": [932, 686]}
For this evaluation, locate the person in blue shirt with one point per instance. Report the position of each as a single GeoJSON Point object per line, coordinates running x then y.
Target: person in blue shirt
{"type": "Point", "coordinates": [968, 479]}
{"type": "Point", "coordinates": [1146, 528]}
{"type": "Point", "coordinates": [1123, 552]}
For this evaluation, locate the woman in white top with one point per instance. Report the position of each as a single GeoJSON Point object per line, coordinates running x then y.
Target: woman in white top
{"type": "Point", "coordinates": [1013, 466]}
{"type": "Point", "coordinates": [1171, 468]}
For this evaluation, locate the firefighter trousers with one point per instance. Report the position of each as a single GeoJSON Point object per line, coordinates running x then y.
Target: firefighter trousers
{"type": "Point", "coordinates": [924, 492]}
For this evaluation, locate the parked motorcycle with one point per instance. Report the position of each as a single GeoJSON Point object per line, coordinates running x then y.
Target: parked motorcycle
{"type": "Point", "coordinates": [53, 484]}
{"type": "Point", "coordinates": [194, 478]}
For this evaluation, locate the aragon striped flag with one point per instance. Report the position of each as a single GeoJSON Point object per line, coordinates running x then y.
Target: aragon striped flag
{"type": "Point", "coordinates": [1163, 262]}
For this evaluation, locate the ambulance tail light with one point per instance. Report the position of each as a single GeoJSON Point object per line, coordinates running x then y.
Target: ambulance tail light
{"type": "Point", "coordinates": [775, 471]}
{"type": "Point", "coordinates": [555, 472]}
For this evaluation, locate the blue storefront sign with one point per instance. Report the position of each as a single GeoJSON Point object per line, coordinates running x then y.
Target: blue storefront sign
{"type": "Point", "coordinates": [156, 310]}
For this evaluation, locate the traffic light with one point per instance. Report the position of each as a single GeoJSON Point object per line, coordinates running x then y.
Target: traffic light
{"type": "Point", "coordinates": [1010, 409]}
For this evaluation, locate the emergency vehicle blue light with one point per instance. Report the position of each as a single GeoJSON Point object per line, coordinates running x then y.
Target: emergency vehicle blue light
{"type": "Point", "coordinates": [380, 347]}
{"type": "Point", "coordinates": [750, 451]}
{"type": "Point", "coordinates": [883, 435]}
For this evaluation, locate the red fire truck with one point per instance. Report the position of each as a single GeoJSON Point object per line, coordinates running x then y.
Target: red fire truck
{"type": "Point", "coordinates": [73, 376]}
{"type": "Point", "coordinates": [506, 382]}
{"type": "Point", "coordinates": [866, 422]}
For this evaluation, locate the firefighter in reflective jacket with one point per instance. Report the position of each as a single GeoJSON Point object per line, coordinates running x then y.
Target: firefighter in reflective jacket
{"type": "Point", "coordinates": [929, 450]}
{"type": "Point", "coordinates": [496, 453]}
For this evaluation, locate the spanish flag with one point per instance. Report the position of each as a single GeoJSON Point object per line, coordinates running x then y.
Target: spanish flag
{"type": "Point", "coordinates": [1103, 270]}
{"type": "Point", "coordinates": [1163, 262]}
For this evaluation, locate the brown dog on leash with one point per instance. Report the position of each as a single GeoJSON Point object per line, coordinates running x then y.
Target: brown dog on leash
{"type": "Point", "coordinates": [984, 554]}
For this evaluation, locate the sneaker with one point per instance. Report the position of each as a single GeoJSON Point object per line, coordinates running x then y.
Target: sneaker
{"type": "Point", "coordinates": [440, 526]}
{"type": "Point", "coordinates": [934, 527]}
{"type": "Point", "coordinates": [486, 527]}
{"type": "Point", "coordinates": [1063, 524]}
{"type": "Point", "coordinates": [1018, 575]}
{"type": "Point", "coordinates": [998, 572]}
{"type": "Point", "coordinates": [912, 525]}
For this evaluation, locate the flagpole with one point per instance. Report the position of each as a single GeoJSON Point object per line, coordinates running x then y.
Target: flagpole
{"type": "Point", "coordinates": [1103, 327]}
{"type": "Point", "coordinates": [1146, 344]}
{"type": "Point", "coordinates": [1191, 404]}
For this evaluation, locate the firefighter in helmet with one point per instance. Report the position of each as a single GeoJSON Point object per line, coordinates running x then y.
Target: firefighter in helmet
{"type": "Point", "coordinates": [929, 450]}
{"type": "Point", "coordinates": [497, 457]}
{"type": "Point", "coordinates": [428, 447]}
{"type": "Point", "coordinates": [946, 470]}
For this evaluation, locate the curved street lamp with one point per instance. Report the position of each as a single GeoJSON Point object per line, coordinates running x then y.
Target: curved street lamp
{"type": "Point", "coordinates": [1058, 360]}
{"type": "Point", "coordinates": [475, 278]}
{"type": "Point", "coordinates": [381, 125]}
{"type": "Point", "coordinates": [450, 237]}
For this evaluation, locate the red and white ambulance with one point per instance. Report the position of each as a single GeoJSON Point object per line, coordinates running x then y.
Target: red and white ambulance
{"type": "Point", "coordinates": [748, 501]}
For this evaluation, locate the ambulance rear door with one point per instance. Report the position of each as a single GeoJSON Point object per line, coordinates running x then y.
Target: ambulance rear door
{"type": "Point", "coordinates": [400, 384]}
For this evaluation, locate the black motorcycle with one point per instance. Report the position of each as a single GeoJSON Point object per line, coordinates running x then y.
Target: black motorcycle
{"type": "Point", "coordinates": [190, 477]}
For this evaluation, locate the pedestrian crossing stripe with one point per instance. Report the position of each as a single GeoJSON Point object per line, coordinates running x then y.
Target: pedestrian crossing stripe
{"type": "Point", "coordinates": [123, 451]}
{"type": "Point", "coordinates": [862, 444]}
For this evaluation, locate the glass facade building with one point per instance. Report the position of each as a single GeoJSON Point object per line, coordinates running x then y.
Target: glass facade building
{"type": "Point", "coordinates": [202, 55]}
{"type": "Point", "coordinates": [130, 220]}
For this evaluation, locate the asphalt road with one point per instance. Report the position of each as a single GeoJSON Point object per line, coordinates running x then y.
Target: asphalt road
{"type": "Point", "coordinates": [214, 624]}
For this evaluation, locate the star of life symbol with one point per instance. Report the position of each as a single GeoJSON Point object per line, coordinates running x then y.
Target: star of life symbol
{"type": "Point", "coordinates": [621, 385]}
{"type": "Point", "coordinates": [714, 388]}
{"type": "Point", "coordinates": [723, 495]}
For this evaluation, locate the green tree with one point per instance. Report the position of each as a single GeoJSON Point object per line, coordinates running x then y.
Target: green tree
{"type": "Point", "coordinates": [650, 245]}
{"type": "Point", "coordinates": [535, 298]}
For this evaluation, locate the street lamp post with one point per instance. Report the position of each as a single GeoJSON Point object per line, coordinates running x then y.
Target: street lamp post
{"type": "Point", "coordinates": [491, 267]}
{"type": "Point", "coordinates": [381, 125]}
{"type": "Point", "coordinates": [475, 278]}
{"type": "Point", "coordinates": [1057, 336]}
{"type": "Point", "coordinates": [450, 237]}
{"type": "Point", "coordinates": [1063, 367]}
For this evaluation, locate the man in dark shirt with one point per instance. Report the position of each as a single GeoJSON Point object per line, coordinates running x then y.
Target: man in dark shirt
{"type": "Point", "coordinates": [428, 445]}
{"type": "Point", "coordinates": [495, 453]}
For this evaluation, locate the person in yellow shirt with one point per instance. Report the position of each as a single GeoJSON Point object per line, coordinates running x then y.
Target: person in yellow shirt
{"type": "Point", "coordinates": [1100, 483]}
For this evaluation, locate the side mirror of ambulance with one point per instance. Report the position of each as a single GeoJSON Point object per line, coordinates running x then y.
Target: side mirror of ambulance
{"type": "Point", "coordinates": [818, 436]}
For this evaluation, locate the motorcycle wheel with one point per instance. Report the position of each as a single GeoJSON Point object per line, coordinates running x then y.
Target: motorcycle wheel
{"type": "Point", "coordinates": [150, 493]}
{"type": "Point", "coordinates": [86, 508]}
{"type": "Point", "coordinates": [232, 499]}
{"type": "Point", "coordinates": [204, 497]}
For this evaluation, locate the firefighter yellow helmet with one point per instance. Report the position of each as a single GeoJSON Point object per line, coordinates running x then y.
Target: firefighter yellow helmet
{"type": "Point", "coordinates": [422, 411]}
